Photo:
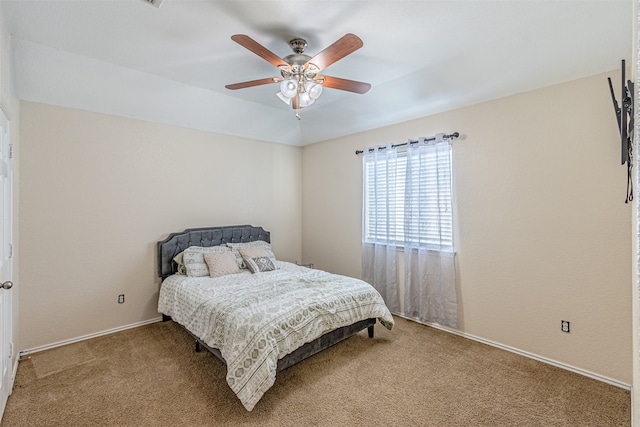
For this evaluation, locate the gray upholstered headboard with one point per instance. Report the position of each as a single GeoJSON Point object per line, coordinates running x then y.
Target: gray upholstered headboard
{"type": "Point", "coordinates": [207, 236]}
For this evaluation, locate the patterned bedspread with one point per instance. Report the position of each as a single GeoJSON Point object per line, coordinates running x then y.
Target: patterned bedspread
{"type": "Point", "coordinates": [256, 319]}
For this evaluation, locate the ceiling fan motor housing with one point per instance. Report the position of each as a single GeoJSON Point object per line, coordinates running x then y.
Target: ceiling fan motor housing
{"type": "Point", "coordinates": [297, 60]}
{"type": "Point", "coordinates": [298, 45]}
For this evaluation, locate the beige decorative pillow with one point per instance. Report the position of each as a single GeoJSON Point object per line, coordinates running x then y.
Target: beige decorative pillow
{"type": "Point", "coordinates": [237, 246]}
{"type": "Point", "coordinates": [257, 260]}
{"type": "Point", "coordinates": [193, 258]}
{"type": "Point", "coordinates": [253, 252]}
{"type": "Point", "coordinates": [221, 263]}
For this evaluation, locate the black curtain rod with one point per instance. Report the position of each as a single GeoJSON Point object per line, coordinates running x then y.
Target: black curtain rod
{"type": "Point", "coordinates": [450, 136]}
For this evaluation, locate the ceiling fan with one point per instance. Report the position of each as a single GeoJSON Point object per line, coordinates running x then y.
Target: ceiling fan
{"type": "Point", "coordinates": [300, 83]}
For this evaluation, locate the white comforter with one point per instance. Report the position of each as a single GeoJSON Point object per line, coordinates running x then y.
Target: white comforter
{"type": "Point", "coordinates": [256, 319]}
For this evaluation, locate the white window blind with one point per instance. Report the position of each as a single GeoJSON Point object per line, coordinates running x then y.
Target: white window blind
{"type": "Point", "coordinates": [409, 202]}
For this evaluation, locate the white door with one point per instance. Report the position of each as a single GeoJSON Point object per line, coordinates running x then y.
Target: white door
{"type": "Point", "coordinates": [6, 252]}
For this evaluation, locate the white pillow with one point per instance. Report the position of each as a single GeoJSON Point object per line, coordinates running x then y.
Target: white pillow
{"type": "Point", "coordinates": [193, 259]}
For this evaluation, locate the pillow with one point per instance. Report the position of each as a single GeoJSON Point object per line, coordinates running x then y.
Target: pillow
{"type": "Point", "coordinates": [256, 259]}
{"type": "Point", "coordinates": [193, 258]}
{"type": "Point", "coordinates": [260, 264]}
{"type": "Point", "coordinates": [237, 246]}
{"type": "Point", "coordinates": [180, 262]}
{"type": "Point", "coordinates": [253, 252]}
{"type": "Point", "coordinates": [221, 263]}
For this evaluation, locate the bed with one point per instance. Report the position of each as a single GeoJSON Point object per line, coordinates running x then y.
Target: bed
{"type": "Point", "coordinates": [261, 318]}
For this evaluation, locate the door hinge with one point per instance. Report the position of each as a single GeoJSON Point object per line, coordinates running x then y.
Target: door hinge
{"type": "Point", "coordinates": [10, 250]}
{"type": "Point", "coordinates": [11, 151]}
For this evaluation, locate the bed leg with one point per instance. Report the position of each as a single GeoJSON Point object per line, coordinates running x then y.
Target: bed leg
{"type": "Point", "coordinates": [165, 318]}
{"type": "Point", "coordinates": [198, 346]}
{"type": "Point", "coordinates": [370, 329]}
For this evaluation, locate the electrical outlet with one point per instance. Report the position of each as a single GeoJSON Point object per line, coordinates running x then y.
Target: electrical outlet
{"type": "Point", "coordinates": [564, 326]}
{"type": "Point", "coordinates": [121, 299]}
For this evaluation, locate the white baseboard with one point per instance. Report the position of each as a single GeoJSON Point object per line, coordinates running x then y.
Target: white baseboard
{"type": "Point", "coordinates": [525, 354]}
{"type": "Point", "coordinates": [13, 374]}
{"type": "Point", "coordinates": [84, 337]}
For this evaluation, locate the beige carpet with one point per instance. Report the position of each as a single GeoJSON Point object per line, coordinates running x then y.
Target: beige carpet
{"type": "Point", "coordinates": [53, 362]}
{"type": "Point", "coordinates": [411, 376]}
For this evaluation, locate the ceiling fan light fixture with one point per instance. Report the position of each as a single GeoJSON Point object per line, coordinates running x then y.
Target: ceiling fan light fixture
{"type": "Point", "coordinates": [283, 98]}
{"type": "Point", "coordinates": [305, 99]}
{"type": "Point", "coordinates": [289, 88]}
{"type": "Point", "coordinates": [314, 90]}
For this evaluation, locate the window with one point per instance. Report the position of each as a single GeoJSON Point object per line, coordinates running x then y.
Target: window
{"type": "Point", "coordinates": [408, 197]}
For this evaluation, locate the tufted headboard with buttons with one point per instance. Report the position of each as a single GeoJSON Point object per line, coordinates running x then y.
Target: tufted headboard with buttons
{"type": "Point", "coordinates": [207, 236]}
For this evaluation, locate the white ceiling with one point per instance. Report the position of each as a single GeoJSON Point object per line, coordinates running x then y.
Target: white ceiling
{"type": "Point", "coordinates": [170, 64]}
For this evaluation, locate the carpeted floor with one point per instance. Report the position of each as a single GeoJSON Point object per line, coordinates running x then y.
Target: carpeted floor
{"type": "Point", "coordinates": [411, 376]}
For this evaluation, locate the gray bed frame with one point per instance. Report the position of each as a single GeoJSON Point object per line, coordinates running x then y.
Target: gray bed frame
{"type": "Point", "coordinates": [213, 236]}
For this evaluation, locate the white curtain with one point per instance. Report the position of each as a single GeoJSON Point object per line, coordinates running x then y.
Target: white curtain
{"type": "Point", "coordinates": [381, 224]}
{"type": "Point", "coordinates": [429, 261]}
{"type": "Point", "coordinates": [407, 207]}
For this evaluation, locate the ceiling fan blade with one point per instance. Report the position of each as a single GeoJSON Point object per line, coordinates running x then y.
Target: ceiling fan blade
{"type": "Point", "coordinates": [345, 45]}
{"type": "Point", "coordinates": [252, 83]}
{"type": "Point", "coordinates": [258, 49]}
{"type": "Point", "coordinates": [344, 84]}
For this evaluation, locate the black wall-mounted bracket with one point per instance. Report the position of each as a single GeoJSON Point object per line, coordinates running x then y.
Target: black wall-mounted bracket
{"type": "Point", "coordinates": [624, 116]}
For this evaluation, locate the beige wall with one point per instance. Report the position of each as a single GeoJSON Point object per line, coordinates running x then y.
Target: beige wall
{"type": "Point", "coordinates": [542, 230]}
{"type": "Point", "coordinates": [97, 193]}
